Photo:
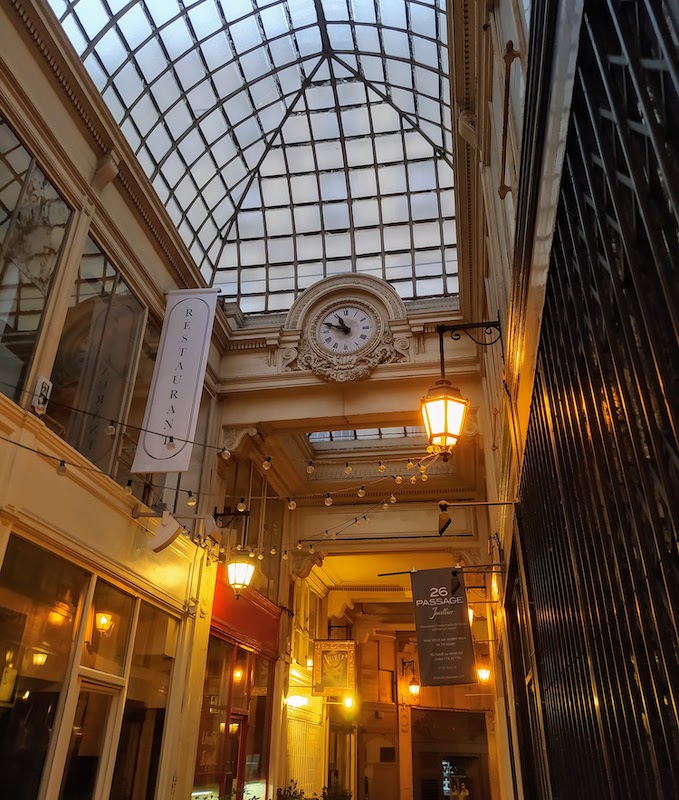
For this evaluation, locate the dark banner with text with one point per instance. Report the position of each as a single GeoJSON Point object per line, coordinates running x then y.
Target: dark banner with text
{"type": "Point", "coordinates": [444, 637]}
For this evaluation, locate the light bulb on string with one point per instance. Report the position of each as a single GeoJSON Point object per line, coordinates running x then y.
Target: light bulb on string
{"type": "Point", "coordinates": [251, 554]}
{"type": "Point", "coordinates": [421, 467]}
{"type": "Point", "coordinates": [299, 545]}
{"type": "Point", "coordinates": [171, 444]}
{"type": "Point", "coordinates": [266, 465]}
{"type": "Point", "coordinates": [241, 505]}
{"type": "Point", "coordinates": [367, 520]}
{"type": "Point", "coordinates": [292, 505]}
{"type": "Point", "coordinates": [328, 499]}
{"type": "Point", "coordinates": [425, 477]}
{"type": "Point", "coordinates": [348, 469]}
{"type": "Point", "coordinates": [361, 492]}
{"type": "Point", "coordinates": [272, 552]}
{"type": "Point", "coordinates": [110, 429]}
{"type": "Point", "coordinates": [392, 499]}
{"type": "Point", "coordinates": [311, 549]}
{"type": "Point", "coordinates": [225, 454]}
{"type": "Point", "coordinates": [128, 487]}
{"type": "Point", "coordinates": [191, 500]}
{"type": "Point", "coordinates": [410, 464]}
{"type": "Point", "coordinates": [310, 468]}
{"type": "Point", "coordinates": [285, 555]}
{"type": "Point", "coordinates": [239, 547]}
{"type": "Point", "coordinates": [413, 479]}
{"type": "Point", "coordinates": [399, 480]}
{"type": "Point", "coordinates": [385, 505]}
{"type": "Point", "coordinates": [381, 467]}
{"type": "Point", "coordinates": [260, 556]}
{"type": "Point", "coordinates": [61, 469]}
{"type": "Point", "coordinates": [430, 449]}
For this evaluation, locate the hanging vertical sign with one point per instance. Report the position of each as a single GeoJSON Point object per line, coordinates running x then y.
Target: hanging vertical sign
{"type": "Point", "coordinates": [171, 416]}
{"type": "Point", "coordinates": [444, 637]}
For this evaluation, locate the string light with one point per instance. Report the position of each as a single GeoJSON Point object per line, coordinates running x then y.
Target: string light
{"type": "Point", "coordinates": [272, 551]}
{"type": "Point", "coordinates": [421, 467]}
{"type": "Point", "coordinates": [260, 556]}
{"type": "Point", "coordinates": [267, 463]}
{"type": "Point", "coordinates": [425, 477]}
{"type": "Point", "coordinates": [110, 429]}
{"type": "Point", "coordinates": [328, 499]}
{"type": "Point", "coordinates": [385, 505]}
{"type": "Point", "coordinates": [171, 444]}
{"type": "Point", "coordinates": [310, 468]}
{"type": "Point", "coordinates": [128, 487]}
{"type": "Point", "coordinates": [361, 492]}
{"type": "Point", "coordinates": [348, 469]}
{"type": "Point", "coordinates": [398, 479]}
{"type": "Point", "coordinates": [251, 554]}
{"type": "Point", "coordinates": [285, 555]}
{"type": "Point", "coordinates": [311, 549]}
{"type": "Point", "coordinates": [61, 469]}
{"type": "Point", "coordinates": [191, 500]}
{"type": "Point", "coordinates": [292, 505]}
{"type": "Point", "coordinates": [381, 467]}
{"type": "Point", "coordinates": [225, 454]}
{"type": "Point", "coordinates": [241, 505]}
{"type": "Point", "coordinates": [392, 499]}
{"type": "Point", "coordinates": [299, 545]}
{"type": "Point", "coordinates": [410, 464]}
{"type": "Point", "coordinates": [413, 479]}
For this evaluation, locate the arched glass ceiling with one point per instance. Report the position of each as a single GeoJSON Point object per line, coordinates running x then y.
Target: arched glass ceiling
{"type": "Point", "coordinates": [288, 139]}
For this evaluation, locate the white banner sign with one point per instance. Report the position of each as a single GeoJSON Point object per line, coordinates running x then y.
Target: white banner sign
{"type": "Point", "coordinates": [174, 399]}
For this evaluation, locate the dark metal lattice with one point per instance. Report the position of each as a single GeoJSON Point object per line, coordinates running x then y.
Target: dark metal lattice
{"type": "Point", "coordinates": [600, 487]}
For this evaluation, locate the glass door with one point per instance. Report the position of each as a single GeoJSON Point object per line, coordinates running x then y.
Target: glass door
{"type": "Point", "coordinates": [89, 735]}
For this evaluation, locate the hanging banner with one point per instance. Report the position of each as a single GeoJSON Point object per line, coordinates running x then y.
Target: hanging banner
{"type": "Point", "coordinates": [174, 398]}
{"type": "Point", "coordinates": [444, 637]}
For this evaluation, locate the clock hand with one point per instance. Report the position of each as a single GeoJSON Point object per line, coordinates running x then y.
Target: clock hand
{"type": "Point", "coordinates": [330, 325]}
{"type": "Point", "coordinates": [342, 324]}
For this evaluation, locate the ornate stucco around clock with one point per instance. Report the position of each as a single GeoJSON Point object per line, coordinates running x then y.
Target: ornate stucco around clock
{"type": "Point", "coordinates": [324, 307]}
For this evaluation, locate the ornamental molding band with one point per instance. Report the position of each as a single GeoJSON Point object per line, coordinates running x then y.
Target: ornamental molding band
{"type": "Point", "coordinates": [340, 368]}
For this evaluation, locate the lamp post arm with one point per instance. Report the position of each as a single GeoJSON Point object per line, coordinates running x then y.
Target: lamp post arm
{"type": "Point", "coordinates": [457, 330]}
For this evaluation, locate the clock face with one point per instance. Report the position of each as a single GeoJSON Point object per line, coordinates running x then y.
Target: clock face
{"type": "Point", "coordinates": [345, 329]}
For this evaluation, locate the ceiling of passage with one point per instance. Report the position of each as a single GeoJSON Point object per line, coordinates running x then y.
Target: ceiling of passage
{"type": "Point", "coordinates": [288, 139]}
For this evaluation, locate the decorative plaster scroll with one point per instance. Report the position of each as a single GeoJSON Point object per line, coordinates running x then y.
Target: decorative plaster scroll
{"type": "Point", "coordinates": [232, 438]}
{"type": "Point", "coordinates": [301, 563]}
{"type": "Point", "coordinates": [339, 369]}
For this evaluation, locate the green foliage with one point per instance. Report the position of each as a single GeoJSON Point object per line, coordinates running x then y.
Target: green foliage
{"type": "Point", "coordinates": [291, 792]}
{"type": "Point", "coordinates": [335, 792]}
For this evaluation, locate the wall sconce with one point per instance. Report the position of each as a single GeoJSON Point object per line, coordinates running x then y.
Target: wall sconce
{"type": "Point", "coordinates": [443, 408]}
{"type": "Point", "coordinates": [39, 659]}
{"type": "Point", "coordinates": [414, 685]}
{"type": "Point", "coordinates": [237, 675]}
{"type": "Point", "coordinates": [103, 622]}
{"type": "Point", "coordinates": [239, 572]}
{"type": "Point", "coordinates": [483, 669]}
{"type": "Point", "coordinates": [297, 701]}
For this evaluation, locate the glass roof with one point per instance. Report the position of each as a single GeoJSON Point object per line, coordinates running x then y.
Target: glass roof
{"type": "Point", "coordinates": [368, 434]}
{"type": "Point", "coordinates": [288, 139]}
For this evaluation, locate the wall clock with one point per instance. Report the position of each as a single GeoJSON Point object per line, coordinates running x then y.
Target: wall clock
{"type": "Point", "coordinates": [346, 328]}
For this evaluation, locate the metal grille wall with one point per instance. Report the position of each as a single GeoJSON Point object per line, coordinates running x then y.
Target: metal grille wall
{"type": "Point", "coordinates": [600, 487]}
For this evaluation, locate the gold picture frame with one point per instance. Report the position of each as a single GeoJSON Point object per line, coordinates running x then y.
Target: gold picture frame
{"type": "Point", "coordinates": [334, 671]}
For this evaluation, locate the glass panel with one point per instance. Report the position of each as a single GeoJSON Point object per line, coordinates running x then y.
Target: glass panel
{"type": "Point", "coordinates": [257, 745]}
{"type": "Point", "coordinates": [87, 743]}
{"type": "Point", "coordinates": [40, 595]}
{"type": "Point", "coordinates": [216, 763]}
{"type": "Point", "coordinates": [33, 220]}
{"type": "Point", "coordinates": [108, 629]}
{"type": "Point", "coordinates": [155, 644]}
{"type": "Point", "coordinates": [95, 360]}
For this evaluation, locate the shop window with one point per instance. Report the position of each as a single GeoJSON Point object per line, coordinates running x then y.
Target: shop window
{"type": "Point", "coordinates": [40, 597]}
{"type": "Point", "coordinates": [95, 361]}
{"type": "Point", "coordinates": [233, 743]}
{"type": "Point", "coordinates": [33, 221]}
{"type": "Point", "coordinates": [108, 629]}
{"type": "Point", "coordinates": [155, 643]}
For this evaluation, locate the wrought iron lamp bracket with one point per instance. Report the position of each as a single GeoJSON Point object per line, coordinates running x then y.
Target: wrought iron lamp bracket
{"type": "Point", "coordinates": [490, 328]}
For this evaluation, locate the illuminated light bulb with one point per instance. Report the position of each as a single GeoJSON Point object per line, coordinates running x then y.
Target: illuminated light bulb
{"type": "Point", "coordinates": [311, 549]}
{"type": "Point", "coordinates": [398, 479]}
{"type": "Point", "coordinates": [348, 469]}
{"type": "Point", "coordinates": [425, 477]}
{"type": "Point", "coordinates": [328, 499]}
{"type": "Point", "coordinates": [267, 463]}
{"type": "Point", "coordinates": [430, 449]}
{"type": "Point", "coordinates": [392, 499]}
{"type": "Point", "coordinates": [191, 500]}
{"type": "Point", "coordinates": [310, 468]}
{"type": "Point", "coordinates": [260, 556]}
{"type": "Point", "coordinates": [309, 663]}
{"type": "Point", "coordinates": [225, 454]}
{"type": "Point", "coordinates": [348, 702]}
{"type": "Point", "coordinates": [410, 464]}
{"type": "Point", "coordinates": [110, 429]}
{"type": "Point", "coordinates": [285, 555]}
{"type": "Point", "coordinates": [241, 506]}
{"type": "Point", "coordinates": [421, 467]}
{"type": "Point", "coordinates": [292, 505]}
{"type": "Point", "coordinates": [470, 612]}
{"type": "Point", "coordinates": [385, 505]}
{"type": "Point", "coordinates": [381, 467]}
{"type": "Point", "coordinates": [413, 479]}
{"type": "Point", "coordinates": [128, 487]}
{"type": "Point", "coordinates": [61, 469]}
{"type": "Point", "coordinates": [367, 520]}
{"type": "Point", "coordinates": [361, 492]}
{"type": "Point", "coordinates": [272, 551]}
{"type": "Point", "coordinates": [299, 545]}
{"type": "Point", "coordinates": [251, 554]}
{"type": "Point", "coordinates": [170, 444]}
{"type": "Point", "coordinates": [239, 547]}
{"type": "Point", "coordinates": [484, 674]}
{"type": "Point", "coordinates": [39, 659]}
